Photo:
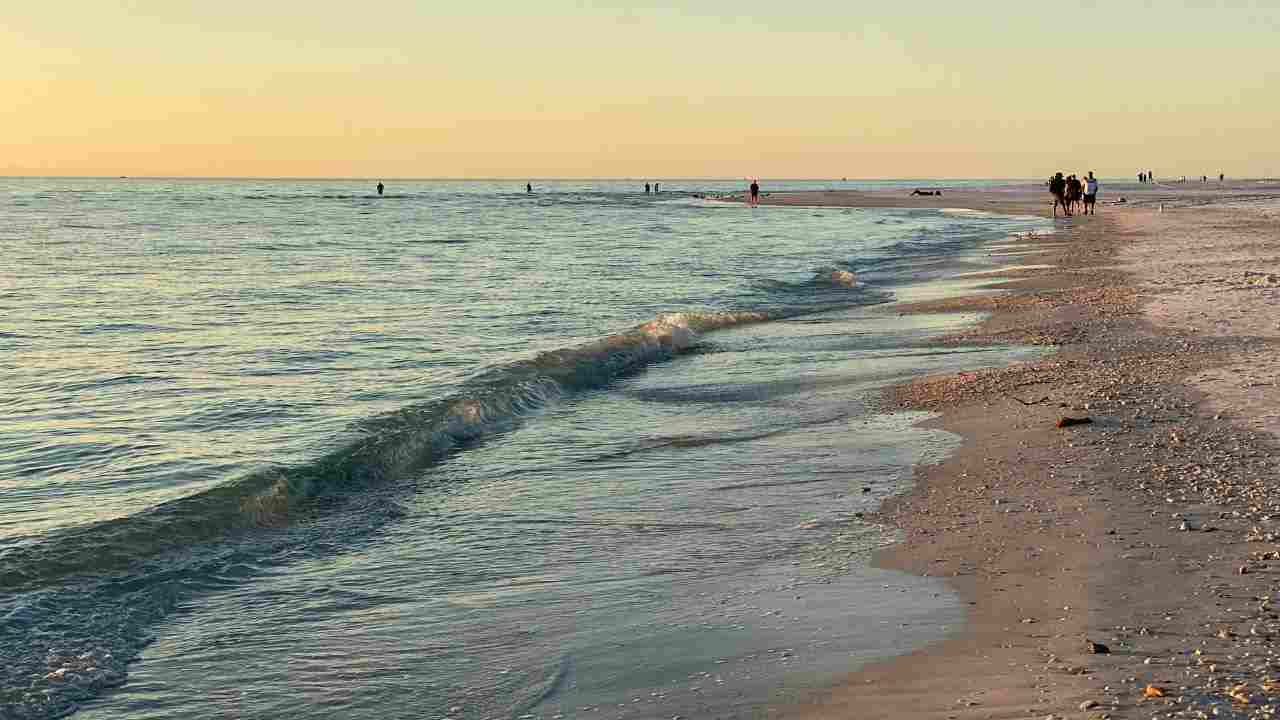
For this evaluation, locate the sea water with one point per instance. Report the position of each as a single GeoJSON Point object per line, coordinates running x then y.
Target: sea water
{"type": "Point", "coordinates": [292, 449]}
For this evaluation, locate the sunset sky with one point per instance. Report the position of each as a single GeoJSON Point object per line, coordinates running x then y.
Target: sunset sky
{"type": "Point", "coordinates": [556, 88]}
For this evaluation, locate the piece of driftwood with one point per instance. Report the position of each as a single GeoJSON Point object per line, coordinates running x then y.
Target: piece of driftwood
{"type": "Point", "coordinates": [1065, 421]}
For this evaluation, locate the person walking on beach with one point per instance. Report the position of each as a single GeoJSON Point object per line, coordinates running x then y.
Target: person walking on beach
{"type": "Point", "coordinates": [1058, 188]}
{"type": "Point", "coordinates": [655, 188]}
{"type": "Point", "coordinates": [380, 186]}
{"type": "Point", "coordinates": [1150, 177]}
{"type": "Point", "coordinates": [646, 188]}
{"type": "Point", "coordinates": [755, 193]}
{"type": "Point", "coordinates": [528, 188]}
{"type": "Point", "coordinates": [1091, 195]}
{"type": "Point", "coordinates": [1142, 177]}
{"type": "Point", "coordinates": [1073, 192]}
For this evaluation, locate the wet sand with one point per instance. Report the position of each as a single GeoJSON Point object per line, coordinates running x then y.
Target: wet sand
{"type": "Point", "coordinates": [1154, 529]}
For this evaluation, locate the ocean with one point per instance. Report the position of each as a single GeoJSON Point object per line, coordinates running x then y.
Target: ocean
{"type": "Point", "coordinates": [275, 448]}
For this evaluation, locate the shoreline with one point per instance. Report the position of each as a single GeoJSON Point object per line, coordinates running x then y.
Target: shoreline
{"type": "Point", "coordinates": [1130, 531]}
{"type": "Point", "coordinates": [1023, 199]}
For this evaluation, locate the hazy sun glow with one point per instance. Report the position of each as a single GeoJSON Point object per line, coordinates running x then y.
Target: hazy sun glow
{"type": "Point", "coordinates": [563, 88]}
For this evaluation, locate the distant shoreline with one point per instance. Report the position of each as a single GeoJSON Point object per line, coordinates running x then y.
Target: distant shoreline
{"type": "Point", "coordinates": [1027, 198]}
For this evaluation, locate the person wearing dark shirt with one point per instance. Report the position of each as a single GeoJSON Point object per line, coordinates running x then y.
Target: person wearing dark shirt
{"type": "Point", "coordinates": [1058, 188]}
{"type": "Point", "coordinates": [1073, 192]}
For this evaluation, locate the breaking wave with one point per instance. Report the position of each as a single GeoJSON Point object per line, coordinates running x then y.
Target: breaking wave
{"type": "Point", "coordinates": [78, 603]}
{"type": "Point", "coordinates": [389, 447]}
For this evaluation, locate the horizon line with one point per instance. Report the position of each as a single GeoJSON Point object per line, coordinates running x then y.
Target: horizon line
{"type": "Point", "coordinates": [513, 178]}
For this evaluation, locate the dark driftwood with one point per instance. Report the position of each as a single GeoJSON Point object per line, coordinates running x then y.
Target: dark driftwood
{"type": "Point", "coordinates": [1069, 421]}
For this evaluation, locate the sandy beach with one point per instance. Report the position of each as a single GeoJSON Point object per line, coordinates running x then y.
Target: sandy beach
{"type": "Point", "coordinates": [1126, 567]}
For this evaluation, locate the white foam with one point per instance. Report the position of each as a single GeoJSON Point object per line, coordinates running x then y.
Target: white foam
{"type": "Point", "coordinates": [1005, 269]}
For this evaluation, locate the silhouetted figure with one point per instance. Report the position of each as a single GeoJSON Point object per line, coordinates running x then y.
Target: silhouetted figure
{"type": "Point", "coordinates": [1221, 177]}
{"type": "Point", "coordinates": [755, 193]}
{"type": "Point", "coordinates": [655, 188]}
{"type": "Point", "coordinates": [380, 187]}
{"type": "Point", "coordinates": [1150, 176]}
{"type": "Point", "coordinates": [1073, 192]}
{"type": "Point", "coordinates": [528, 187]}
{"type": "Point", "coordinates": [1091, 195]}
{"type": "Point", "coordinates": [1142, 177]}
{"type": "Point", "coordinates": [1058, 188]}
{"type": "Point", "coordinates": [646, 188]}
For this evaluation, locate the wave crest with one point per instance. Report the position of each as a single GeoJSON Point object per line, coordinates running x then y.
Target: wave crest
{"type": "Point", "coordinates": [390, 447]}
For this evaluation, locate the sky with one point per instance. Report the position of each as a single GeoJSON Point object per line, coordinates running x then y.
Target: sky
{"type": "Point", "coordinates": [568, 88]}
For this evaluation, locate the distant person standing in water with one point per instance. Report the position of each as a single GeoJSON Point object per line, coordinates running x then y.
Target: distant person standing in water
{"type": "Point", "coordinates": [380, 187]}
{"type": "Point", "coordinates": [755, 193]}
{"type": "Point", "coordinates": [528, 187]}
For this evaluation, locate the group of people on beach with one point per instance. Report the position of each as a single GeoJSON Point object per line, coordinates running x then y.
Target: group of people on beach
{"type": "Point", "coordinates": [1071, 191]}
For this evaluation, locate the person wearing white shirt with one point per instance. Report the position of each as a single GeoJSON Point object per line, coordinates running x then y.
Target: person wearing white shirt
{"type": "Point", "coordinates": [1091, 194]}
